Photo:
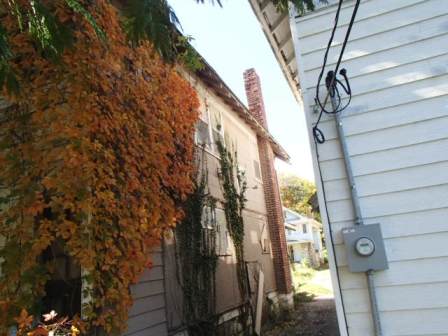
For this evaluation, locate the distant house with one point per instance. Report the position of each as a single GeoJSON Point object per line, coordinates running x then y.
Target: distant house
{"type": "Point", "coordinates": [303, 236]}
{"type": "Point", "coordinates": [157, 309]}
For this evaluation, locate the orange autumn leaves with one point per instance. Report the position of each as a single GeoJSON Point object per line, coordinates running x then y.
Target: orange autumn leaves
{"type": "Point", "coordinates": [96, 152]}
{"type": "Point", "coordinates": [50, 326]}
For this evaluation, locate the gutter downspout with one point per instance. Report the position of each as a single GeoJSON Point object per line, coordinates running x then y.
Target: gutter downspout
{"type": "Point", "coordinates": [358, 215]}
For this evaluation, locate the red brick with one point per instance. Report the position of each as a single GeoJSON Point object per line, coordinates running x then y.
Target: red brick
{"type": "Point", "coordinates": [270, 183]}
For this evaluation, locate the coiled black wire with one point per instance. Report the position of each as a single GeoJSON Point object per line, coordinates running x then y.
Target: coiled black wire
{"type": "Point", "coordinates": [332, 83]}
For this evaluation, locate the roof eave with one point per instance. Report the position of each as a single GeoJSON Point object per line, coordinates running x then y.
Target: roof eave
{"type": "Point", "coordinates": [263, 12]}
{"type": "Point", "coordinates": [211, 78]}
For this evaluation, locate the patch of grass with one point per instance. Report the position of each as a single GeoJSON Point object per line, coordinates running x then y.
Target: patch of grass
{"type": "Point", "coordinates": [302, 297]}
{"type": "Point", "coordinates": [315, 289]}
{"type": "Point", "coordinates": [304, 285]}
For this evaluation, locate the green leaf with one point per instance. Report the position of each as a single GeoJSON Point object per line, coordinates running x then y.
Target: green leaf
{"type": "Point", "coordinates": [153, 20]}
{"type": "Point", "coordinates": [46, 29]}
{"type": "Point", "coordinates": [15, 10]}
{"type": "Point", "coordinates": [78, 8]}
{"type": "Point", "coordinates": [7, 77]}
{"type": "Point", "coordinates": [302, 6]}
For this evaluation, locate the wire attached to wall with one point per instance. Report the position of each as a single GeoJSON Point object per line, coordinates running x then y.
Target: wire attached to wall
{"type": "Point", "coordinates": [332, 83]}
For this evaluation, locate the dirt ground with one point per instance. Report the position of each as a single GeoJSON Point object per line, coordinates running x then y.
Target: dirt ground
{"type": "Point", "coordinates": [315, 318]}
{"type": "Point", "coordinates": [315, 313]}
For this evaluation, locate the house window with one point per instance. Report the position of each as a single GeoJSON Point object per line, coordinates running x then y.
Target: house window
{"type": "Point", "coordinates": [63, 289]}
{"type": "Point", "coordinates": [266, 245]}
{"type": "Point", "coordinates": [202, 134]}
{"type": "Point", "coordinates": [208, 218]}
{"type": "Point", "coordinates": [257, 170]}
{"type": "Point", "coordinates": [217, 130]}
{"type": "Point", "coordinates": [304, 228]}
{"type": "Point", "coordinates": [222, 236]}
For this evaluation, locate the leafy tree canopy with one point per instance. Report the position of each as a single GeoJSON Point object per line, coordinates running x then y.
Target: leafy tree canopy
{"type": "Point", "coordinates": [96, 156]}
{"type": "Point", "coordinates": [296, 193]}
{"type": "Point", "coordinates": [143, 20]}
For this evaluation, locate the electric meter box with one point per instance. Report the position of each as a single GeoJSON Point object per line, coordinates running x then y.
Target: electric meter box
{"type": "Point", "coordinates": [365, 248]}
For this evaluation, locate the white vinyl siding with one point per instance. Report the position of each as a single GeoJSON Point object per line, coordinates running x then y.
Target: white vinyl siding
{"type": "Point", "coordinates": [397, 134]}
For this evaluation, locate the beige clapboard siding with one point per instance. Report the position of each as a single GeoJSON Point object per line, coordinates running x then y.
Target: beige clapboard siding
{"type": "Point", "coordinates": [422, 154]}
{"type": "Point", "coordinates": [364, 122]}
{"type": "Point", "coordinates": [396, 94]}
{"type": "Point", "coordinates": [374, 24]}
{"type": "Point", "coordinates": [380, 42]}
{"type": "Point", "coordinates": [400, 298]}
{"type": "Point", "coordinates": [147, 316]}
{"type": "Point", "coordinates": [398, 75]}
{"type": "Point", "coordinates": [388, 204]}
{"type": "Point", "coordinates": [157, 330]}
{"type": "Point", "coordinates": [317, 22]}
{"type": "Point", "coordinates": [360, 323]}
{"type": "Point", "coordinates": [389, 138]}
{"type": "Point", "coordinates": [401, 273]}
{"type": "Point", "coordinates": [397, 180]}
{"type": "Point", "coordinates": [397, 134]}
{"type": "Point", "coordinates": [389, 59]}
{"type": "Point", "coordinates": [402, 225]}
{"type": "Point", "coordinates": [406, 248]}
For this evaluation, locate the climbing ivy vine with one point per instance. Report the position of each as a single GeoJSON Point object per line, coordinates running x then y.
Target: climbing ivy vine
{"type": "Point", "coordinates": [96, 155]}
{"type": "Point", "coordinates": [233, 184]}
{"type": "Point", "coordinates": [196, 255]}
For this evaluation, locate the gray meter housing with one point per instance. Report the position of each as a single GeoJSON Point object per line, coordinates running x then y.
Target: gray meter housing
{"type": "Point", "coordinates": [365, 248]}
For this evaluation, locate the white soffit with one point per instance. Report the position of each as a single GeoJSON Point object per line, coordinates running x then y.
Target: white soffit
{"type": "Point", "coordinates": [277, 30]}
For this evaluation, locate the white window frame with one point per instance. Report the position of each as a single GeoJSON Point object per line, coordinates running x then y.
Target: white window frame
{"type": "Point", "coordinates": [202, 117]}
{"type": "Point", "coordinates": [208, 218]}
{"type": "Point", "coordinates": [305, 228]}
{"type": "Point", "coordinates": [222, 235]}
{"type": "Point", "coordinates": [257, 178]}
{"type": "Point", "coordinates": [217, 114]}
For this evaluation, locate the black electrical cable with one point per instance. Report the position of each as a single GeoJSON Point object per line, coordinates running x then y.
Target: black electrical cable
{"type": "Point", "coordinates": [331, 81]}
{"type": "Point", "coordinates": [324, 63]}
{"type": "Point", "coordinates": [316, 149]}
{"type": "Point", "coordinates": [349, 29]}
{"type": "Point", "coordinates": [334, 93]}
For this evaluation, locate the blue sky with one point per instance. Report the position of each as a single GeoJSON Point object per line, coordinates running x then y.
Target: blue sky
{"type": "Point", "coordinates": [231, 40]}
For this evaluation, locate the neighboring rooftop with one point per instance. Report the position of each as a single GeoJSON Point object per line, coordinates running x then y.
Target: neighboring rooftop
{"type": "Point", "coordinates": [291, 216]}
{"type": "Point", "coordinates": [216, 83]}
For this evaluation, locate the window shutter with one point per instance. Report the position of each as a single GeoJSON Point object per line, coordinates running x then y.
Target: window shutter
{"type": "Point", "coordinates": [222, 234]}
{"type": "Point", "coordinates": [257, 169]}
{"type": "Point", "coordinates": [202, 133]}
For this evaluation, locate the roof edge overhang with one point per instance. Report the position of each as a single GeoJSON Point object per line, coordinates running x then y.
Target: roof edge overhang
{"type": "Point", "coordinates": [211, 78]}
{"type": "Point", "coordinates": [265, 12]}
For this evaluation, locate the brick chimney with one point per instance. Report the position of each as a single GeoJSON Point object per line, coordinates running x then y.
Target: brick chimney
{"type": "Point", "coordinates": [255, 96]}
{"type": "Point", "coordinates": [271, 191]}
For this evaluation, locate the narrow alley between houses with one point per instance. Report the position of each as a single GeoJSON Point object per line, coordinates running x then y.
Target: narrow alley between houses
{"type": "Point", "coordinates": [314, 313]}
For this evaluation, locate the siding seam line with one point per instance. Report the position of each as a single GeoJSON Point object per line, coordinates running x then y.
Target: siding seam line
{"type": "Point", "coordinates": [380, 51]}
{"type": "Point", "coordinates": [388, 88]}
{"type": "Point", "coordinates": [396, 9]}
{"type": "Point", "coordinates": [364, 74]}
{"type": "Point", "coordinates": [387, 149]}
{"type": "Point", "coordinates": [387, 171]}
{"type": "Point", "coordinates": [307, 53]}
